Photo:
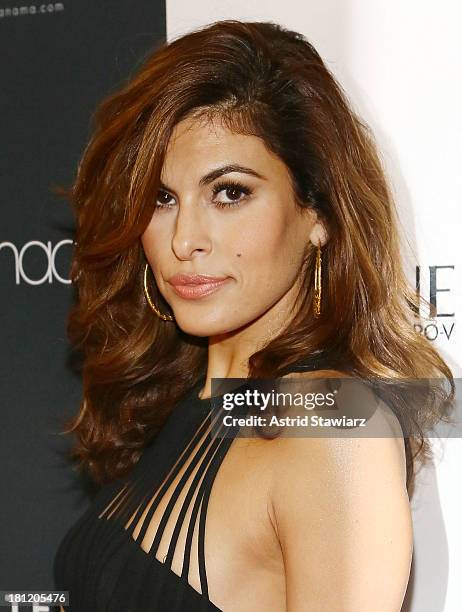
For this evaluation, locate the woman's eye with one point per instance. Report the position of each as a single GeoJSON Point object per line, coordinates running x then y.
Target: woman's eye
{"type": "Point", "coordinates": [233, 195]}
{"type": "Point", "coordinates": [162, 199]}
{"type": "Point", "coordinates": [232, 192]}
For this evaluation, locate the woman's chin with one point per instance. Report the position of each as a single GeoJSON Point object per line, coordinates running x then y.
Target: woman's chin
{"type": "Point", "coordinates": [204, 325]}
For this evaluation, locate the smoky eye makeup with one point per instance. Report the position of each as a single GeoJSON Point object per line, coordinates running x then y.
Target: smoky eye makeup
{"type": "Point", "coordinates": [235, 192]}
{"type": "Point", "coordinates": [231, 188]}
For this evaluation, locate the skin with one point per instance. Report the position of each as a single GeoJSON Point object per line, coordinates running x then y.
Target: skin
{"type": "Point", "coordinates": [316, 524]}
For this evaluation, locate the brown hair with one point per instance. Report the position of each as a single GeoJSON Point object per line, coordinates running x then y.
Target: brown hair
{"type": "Point", "coordinates": [260, 79]}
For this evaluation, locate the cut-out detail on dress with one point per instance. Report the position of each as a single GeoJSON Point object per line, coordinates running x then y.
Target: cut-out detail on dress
{"type": "Point", "coordinates": [141, 543]}
{"type": "Point", "coordinates": [155, 521]}
{"type": "Point", "coordinates": [178, 506]}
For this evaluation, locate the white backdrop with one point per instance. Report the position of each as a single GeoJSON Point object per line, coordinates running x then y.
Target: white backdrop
{"type": "Point", "coordinates": [400, 63]}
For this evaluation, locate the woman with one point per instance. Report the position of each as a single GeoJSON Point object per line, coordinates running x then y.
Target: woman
{"type": "Point", "coordinates": [233, 221]}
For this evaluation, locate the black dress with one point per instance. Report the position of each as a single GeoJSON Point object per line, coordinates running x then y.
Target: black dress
{"type": "Point", "coordinates": [101, 561]}
{"type": "Point", "coordinates": [103, 565]}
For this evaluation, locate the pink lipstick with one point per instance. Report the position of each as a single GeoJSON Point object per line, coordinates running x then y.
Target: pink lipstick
{"type": "Point", "coordinates": [195, 286]}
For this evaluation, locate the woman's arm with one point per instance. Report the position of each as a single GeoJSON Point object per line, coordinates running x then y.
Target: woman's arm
{"type": "Point", "coordinates": [343, 519]}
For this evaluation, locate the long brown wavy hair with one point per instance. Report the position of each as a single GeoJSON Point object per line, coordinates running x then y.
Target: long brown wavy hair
{"type": "Point", "coordinates": [263, 80]}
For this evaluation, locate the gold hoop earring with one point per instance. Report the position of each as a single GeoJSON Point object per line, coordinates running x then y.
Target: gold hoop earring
{"type": "Point", "coordinates": [317, 284]}
{"type": "Point", "coordinates": [164, 317]}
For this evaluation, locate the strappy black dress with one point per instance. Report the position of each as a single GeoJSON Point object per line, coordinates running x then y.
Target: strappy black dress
{"type": "Point", "coordinates": [101, 560]}
{"type": "Point", "coordinates": [102, 563]}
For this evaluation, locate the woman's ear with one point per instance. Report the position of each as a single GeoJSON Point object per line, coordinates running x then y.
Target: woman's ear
{"type": "Point", "coordinates": [318, 234]}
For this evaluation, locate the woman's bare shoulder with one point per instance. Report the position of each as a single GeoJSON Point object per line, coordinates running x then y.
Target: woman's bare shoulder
{"type": "Point", "coordinates": [343, 517]}
{"type": "Point", "coordinates": [381, 429]}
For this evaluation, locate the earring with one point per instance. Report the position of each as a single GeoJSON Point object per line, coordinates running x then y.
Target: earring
{"type": "Point", "coordinates": [317, 284]}
{"type": "Point", "coordinates": [164, 317]}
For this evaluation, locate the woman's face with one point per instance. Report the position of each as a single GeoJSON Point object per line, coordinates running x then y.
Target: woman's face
{"type": "Point", "coordinates": [241, 224]}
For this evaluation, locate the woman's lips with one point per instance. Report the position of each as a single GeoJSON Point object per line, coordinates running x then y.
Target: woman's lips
{"type": "Point", "coordinates": [195, 291]}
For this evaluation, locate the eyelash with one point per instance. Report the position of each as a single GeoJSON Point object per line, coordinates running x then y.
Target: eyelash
{"type": "Point", "coordinates": [220, 186]}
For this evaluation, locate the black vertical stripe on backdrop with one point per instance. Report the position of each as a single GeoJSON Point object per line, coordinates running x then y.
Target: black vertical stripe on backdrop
{"type": "Point", "coordinates": [56, 66]}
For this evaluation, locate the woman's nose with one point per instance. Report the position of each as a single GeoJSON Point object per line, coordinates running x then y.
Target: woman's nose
{"type": "Point", "coordinates": [190, 233]}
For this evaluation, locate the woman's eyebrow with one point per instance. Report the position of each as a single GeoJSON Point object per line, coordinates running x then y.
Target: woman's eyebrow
{"type": "Point", "coordinates": [211, 176]}
{"type": "Point", "coordinates": [217, 172]}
